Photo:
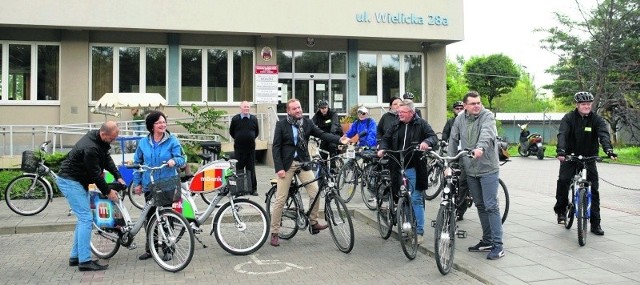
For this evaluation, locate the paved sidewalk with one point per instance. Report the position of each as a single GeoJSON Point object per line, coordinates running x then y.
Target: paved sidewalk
{"type": "Point", "coordinates": [538, 251]}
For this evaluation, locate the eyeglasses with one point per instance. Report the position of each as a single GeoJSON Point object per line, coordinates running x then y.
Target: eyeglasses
{"type": "Point", "coordinates": [160, 123]}
{"type": "Point", "coordinates": [473, 103]}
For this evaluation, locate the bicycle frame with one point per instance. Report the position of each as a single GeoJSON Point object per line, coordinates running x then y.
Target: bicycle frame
{"type": "Point", "coordinates": [581, 184]}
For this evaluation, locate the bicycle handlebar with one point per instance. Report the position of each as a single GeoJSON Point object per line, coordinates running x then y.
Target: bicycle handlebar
{"type": "Point", "coordinates": [451, 158]}
{"type": "Point", "coordinates": [142, 167]}
{"type": "Point", "coordinates": [581, 158]}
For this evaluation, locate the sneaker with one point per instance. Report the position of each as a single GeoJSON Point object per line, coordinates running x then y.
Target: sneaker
{"type": "Point", "coordinates": [496, 253]}
{"type": "Point", "coordinates": [482, 246]}
{"type": "Point", "coordinates": [562, 218]}
{"type": "Point", "coordinates": [420, 239]}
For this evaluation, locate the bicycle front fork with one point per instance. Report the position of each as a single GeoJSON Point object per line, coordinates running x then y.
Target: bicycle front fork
{"type": "Point", "coordinates": [577, 198]}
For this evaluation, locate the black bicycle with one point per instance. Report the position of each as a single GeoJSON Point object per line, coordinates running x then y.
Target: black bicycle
{"type": "Point", "coordinates": [580, 190]}
{"type": "Point", "coordinates": [294, 216]}
{"type": "Point", "coordinates": [359, 170]}
{"type": "Point", "coordinates": [445, 228]}
{"type": "Point", "coordinates": [465, 201]}
{"type": "Point", "coordinates": [400, 213]}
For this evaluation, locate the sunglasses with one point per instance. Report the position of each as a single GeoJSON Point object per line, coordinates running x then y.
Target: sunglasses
{"type": "Point", "coordinates": [360, 113]}
{"type": "Point", "coordinates": [459, 108]}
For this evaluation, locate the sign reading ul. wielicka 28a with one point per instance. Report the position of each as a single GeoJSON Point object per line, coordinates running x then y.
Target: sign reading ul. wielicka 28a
{"type": "Point", "coordinates": [267, 84]}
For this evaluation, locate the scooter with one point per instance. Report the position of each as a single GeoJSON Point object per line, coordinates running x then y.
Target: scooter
{"type": "Point", "coordinates": [530, 144]}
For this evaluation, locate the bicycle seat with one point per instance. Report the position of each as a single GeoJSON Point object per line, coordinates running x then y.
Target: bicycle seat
{"type": "Point", "coordinates": [368, 156]}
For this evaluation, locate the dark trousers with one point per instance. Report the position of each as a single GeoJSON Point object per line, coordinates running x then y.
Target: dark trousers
{"type": "Point", "coordinates": [247, 161]}
{"type": "Point", "coordinates": [463, 188]}
{"type": "Point", "coordinates": [567, 171]}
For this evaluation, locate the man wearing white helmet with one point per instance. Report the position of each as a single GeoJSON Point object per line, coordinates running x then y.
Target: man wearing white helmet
{"type": "Point", "coordinates": [365, 128]}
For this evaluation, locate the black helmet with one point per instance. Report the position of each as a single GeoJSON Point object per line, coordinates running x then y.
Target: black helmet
{"type": "Point", "coordinates": [408, 95]}
{"type": "Point", "coordinates": [583, 96]}
{"type": "Point", "coordinates": [323, 103]}
{"type": "Point", "coordinates": [457, 104]}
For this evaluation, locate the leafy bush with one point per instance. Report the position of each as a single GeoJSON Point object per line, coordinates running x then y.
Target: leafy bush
{"type": "Point", "coordinates": [205, 121]}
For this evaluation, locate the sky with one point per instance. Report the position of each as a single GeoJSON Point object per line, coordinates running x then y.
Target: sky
{"type": "Point", "coordinates": [506, 26]}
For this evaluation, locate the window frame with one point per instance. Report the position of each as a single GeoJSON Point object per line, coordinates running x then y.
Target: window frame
{"type": "Point", "coordinates": [33, 81]}
{"type": "Point", "coordinates": [116, 67]}
{"type": "Point", "coordinates": [362, 98]}
{"type": "Point", "coordinates": [204, 53]}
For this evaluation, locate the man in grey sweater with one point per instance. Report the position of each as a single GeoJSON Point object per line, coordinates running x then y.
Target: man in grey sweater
{"type": "Point", "coordinates": [475, 129]}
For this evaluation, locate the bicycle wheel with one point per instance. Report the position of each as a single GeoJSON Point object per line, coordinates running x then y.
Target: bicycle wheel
{"type": "Point", "coordinates": [137, 200]}
{"type": "Point", "coordinates": [368, 186]}
{"type": "Point", "coordinates": [171, 240]}
{"type": "Point", "coordinates": [385, 210]}
{"type": "Point", "coordinates": [104, 242]}
{"type": "Point", "coordinates": [340, 224]}
{"type": "Point", "coordinates": [581, 207]}
{"type": "Point", "coordinates": [436, 182]}
{"type": "Point", "coordinates": [347, 181]}
{"type": "Point", "coordinates": [241, 229]}
{"type": "Point", "coordinates": [445, 238]}
{"type": "Point", "coordinates": [503, 200]}
{"type": "Point", "coordinates": [571, 209]}
{"type": "Point", "coordinates": [407, 227]}
{"type": "Point", "coordinates": [27, 194]}
{"type": "Point", "coordinates": [288, 224]}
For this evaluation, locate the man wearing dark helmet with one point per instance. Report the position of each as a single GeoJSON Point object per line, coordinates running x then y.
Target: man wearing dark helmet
{"type": "Point", "coordinates": [580, 133]}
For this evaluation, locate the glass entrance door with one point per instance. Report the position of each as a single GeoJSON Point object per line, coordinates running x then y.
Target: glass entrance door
{"type": "Point", "coordinates": [308, 92]}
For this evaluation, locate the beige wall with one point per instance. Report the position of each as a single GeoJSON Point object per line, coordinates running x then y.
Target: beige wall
{"type": "Point", "coordinates": [284, 17]}
{"type": "Point", "coordinates": [74, 77]}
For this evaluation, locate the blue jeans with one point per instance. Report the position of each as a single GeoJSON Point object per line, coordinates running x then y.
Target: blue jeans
{"type": "Point", "coordinates": [484, 190]}
{"type": "Point", "coordinates": [417, 200]}
{"type": "Point", "coordinates": [78, 199]}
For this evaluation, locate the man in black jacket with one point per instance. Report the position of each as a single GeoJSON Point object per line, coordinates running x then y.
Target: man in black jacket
{"type": "Point", "coordinates": [289, 152]}
{"type": "Point", "coordinates": [327, 120]}
{"type": "Point", "coordinates": [84, 165]}
{"type": "Point", "coordinates": [578, 134]}
{"type": "Point", "coordinates": [244, 130]}
{"type": "Point", "coordinates": [411, 131]}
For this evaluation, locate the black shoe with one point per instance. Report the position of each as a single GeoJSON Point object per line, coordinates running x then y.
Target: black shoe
{"type": "Point", "coordinates": [91, 266]}
{"type": "Point", "coordinates": [562, 218]}
{"type": "Point", "coordinates": [145, 256]}
{"type": "Point", "coordinates": [254, 193]}
{"type": "Point", "coordinates": [73, 261]}
{"type": "Point", "coordinates": [459, 218]}
{"type": "Point", "coordinates": [597, 230]}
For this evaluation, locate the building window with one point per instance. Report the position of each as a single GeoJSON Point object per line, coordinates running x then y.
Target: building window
{"type": "Point", "coordinates": [29, 72]}
{"type": "Point", "coordinates": [124, 68]}
{"type": "Point", "coordinates": [101, 72]}
{"type": "Point", "coordinates": [129, 69]}
{"type": "Point", "coordinates": [385, 75]}
{"type": "Point", "coordinates": [368, 72]}
{"type": "Point", "coordinates": [211, 81]}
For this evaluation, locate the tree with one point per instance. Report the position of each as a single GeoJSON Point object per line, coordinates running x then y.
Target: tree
{"type": "Point", "coordinates": [491, 76]}
{"type": "Point", "coordinates": [600, 53]}
{"type": "Point", "coordinates": [456, 85]}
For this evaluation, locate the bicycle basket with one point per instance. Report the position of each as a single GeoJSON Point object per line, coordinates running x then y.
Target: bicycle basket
{"type": "Point", "coordinates": [29, 161]}
{"type": "Point", "coordinates": [240, 184]}
{"type": "Point", "coordinates": [165, 191]}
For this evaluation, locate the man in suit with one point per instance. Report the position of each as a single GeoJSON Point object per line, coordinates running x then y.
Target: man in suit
{"type": "Point", "coordinates": [244, 130]}
{"type": "Point", "coordinates": [289, 152]}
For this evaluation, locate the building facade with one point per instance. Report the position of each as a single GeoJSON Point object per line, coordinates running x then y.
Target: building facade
{"type": "Point", "coordinates": [57, 58]}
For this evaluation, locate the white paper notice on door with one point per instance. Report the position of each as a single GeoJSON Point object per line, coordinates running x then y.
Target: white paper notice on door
{"type": "Point", "coordinates": [320, 87]}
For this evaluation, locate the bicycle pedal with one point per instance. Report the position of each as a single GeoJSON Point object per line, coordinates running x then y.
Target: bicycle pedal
{"type": "Point", "coordinates": [433, 223]}
{"type": "Point", "coordinates": [461, 234]}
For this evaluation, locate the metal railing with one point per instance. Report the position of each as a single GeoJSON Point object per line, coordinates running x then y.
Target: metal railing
{"type": "Point", "coordinates": [16, 138]}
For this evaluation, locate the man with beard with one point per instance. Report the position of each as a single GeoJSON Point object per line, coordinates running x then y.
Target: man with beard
{"type": "Point", "coordinates": [289, 152]}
